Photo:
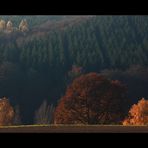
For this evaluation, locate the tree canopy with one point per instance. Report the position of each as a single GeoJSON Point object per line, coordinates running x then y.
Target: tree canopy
{"type": "Point", "coordinates": [6, 112]}
{"type": "Point", "coordinates": [92, 99]}
{"type": "Point", "coordinates": [138, 114]}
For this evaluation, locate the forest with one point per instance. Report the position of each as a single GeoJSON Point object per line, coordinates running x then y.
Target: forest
{"type": "Point", "coordinates": [38, 66]}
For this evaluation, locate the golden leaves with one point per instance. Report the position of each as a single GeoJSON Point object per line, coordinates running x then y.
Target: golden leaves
{"type": "Point", "coordinates": [6, 112]}
{"type": "Point", "coordinates": [138, 114]}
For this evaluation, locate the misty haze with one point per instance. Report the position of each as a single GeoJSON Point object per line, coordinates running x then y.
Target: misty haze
{"type": "Point", "coordinates": [73, 70]}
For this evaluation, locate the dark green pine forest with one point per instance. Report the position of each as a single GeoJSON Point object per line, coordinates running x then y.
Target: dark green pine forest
{"type": "Point", "coordinates": [35, 66]}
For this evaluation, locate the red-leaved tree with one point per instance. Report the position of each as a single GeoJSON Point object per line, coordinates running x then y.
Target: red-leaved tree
{"type": "Point", "coordinates": [92, 99]}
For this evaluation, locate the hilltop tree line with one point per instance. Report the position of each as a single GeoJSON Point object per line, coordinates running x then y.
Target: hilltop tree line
{"type": "Point", "coordinates": [41, 66]}
{"type": "Point", "coordinates": [32, 20]}
{"type": "Point", "coordinates": [7, 27]}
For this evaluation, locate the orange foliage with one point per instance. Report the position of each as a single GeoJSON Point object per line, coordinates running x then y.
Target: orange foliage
{"type": "Point", "coordinates": [6, 112]}
{"type": "Point", "coordinates": [91, 99]}
{"type": "Point", "coordinates": [138, 114]}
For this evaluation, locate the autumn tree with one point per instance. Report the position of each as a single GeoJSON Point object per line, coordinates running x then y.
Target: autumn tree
{"type": "Point", "coordinates": [138, 114]}
{"type": "Point", "coordinates": [2, 25]}
{"type": "Point", "coordinates": [44, 115]}
{"type": "Point", "coordinates": [9, 27]}
{"type": "Point", "coordinates": [91, 99]}
{"type": "Point", "coordinates": [6, 112]}
{"type": "Point", "coordinates": [23, 25]}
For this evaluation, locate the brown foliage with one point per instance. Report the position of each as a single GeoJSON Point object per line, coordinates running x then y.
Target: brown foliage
{"type": "Point", "coordinates": [138, 114]}
{"type": "Point", "coordinates": [6, 112]}
{"type": "Point", "coordinates": [91, 99]}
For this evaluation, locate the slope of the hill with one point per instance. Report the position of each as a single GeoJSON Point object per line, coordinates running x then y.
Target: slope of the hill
{"type": "Point", "coordinates": [35, 66]}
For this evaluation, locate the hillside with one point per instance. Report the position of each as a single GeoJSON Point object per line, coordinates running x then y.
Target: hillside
{"type": "Point", "coordinates": [35, 66]}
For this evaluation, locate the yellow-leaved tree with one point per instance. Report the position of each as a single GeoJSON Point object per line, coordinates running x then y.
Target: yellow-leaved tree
{"type": "Point", "coordinates": [138, 114]}
{"type": "Point", "coordinates": [6, 112]}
